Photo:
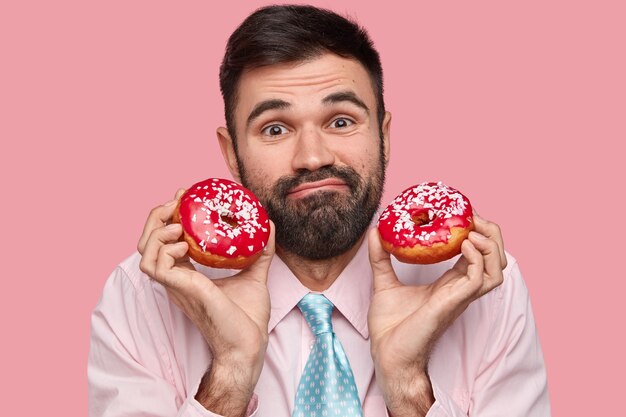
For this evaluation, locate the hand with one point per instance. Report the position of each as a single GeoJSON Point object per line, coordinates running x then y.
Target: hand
{"type": "Point", "coordinates": [231, 313]}
{"type": "Point", "coordinates": [405, 321]}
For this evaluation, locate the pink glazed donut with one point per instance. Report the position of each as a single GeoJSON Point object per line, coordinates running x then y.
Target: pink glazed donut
{"type": "Point", "coordinates": [223, 223]}
{"type": "Point", "coordinates": [426, 223]}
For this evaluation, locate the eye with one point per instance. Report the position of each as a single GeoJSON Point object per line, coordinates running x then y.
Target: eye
{"type": "Point", "coordinates": [341, 122]}
{"type": "Point", "coordinates": [274, 130]}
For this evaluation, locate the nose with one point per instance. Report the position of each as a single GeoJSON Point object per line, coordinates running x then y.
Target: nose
{"type": "Point", "coordinates": [312, 152]}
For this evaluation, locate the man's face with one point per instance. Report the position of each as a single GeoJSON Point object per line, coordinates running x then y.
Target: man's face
{"type": "Point", "coordinates": [309, 147]}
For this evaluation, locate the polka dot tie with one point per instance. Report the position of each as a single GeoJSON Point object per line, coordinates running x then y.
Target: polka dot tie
{"type": "Point", "coordinates": [327, 386]}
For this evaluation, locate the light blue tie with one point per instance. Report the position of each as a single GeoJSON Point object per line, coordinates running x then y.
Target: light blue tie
{"type": "Point", "coordinates": [327, 386]}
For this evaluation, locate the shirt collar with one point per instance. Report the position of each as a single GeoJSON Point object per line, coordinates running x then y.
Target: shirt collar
{"type": "Point", "coordinates": [350, 293]}
{"type": "Point", "coordinates": [285, 291]}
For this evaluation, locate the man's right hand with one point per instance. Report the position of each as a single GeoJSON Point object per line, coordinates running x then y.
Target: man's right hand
{"type": "Point", "coordinates": [231, 313]}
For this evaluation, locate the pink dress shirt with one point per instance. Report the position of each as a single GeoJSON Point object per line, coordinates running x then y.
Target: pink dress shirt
{"type": "Point", "coordinates": [147, 358]}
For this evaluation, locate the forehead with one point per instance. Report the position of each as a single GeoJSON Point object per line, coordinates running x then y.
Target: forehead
{"type": "Point", "coordinates": [303, 83]}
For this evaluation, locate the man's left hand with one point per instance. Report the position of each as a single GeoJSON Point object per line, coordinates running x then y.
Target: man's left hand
{"type": "Point", "coordinates": [405, 321]}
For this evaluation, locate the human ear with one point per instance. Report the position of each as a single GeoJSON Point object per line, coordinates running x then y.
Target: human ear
{"type": "Point", "coordinates": [386, 131]}
{"type": "Point", "coordinates": [228, 152]}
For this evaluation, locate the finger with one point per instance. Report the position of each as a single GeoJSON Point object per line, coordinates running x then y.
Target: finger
{"type": "Point", "coordinates": [158, 238]}
{"type": "Point", "coordinates": [461, 264]}
{"type": "Point", "coordinates": [190, 289]}
{"type": "Point", "coordinates": [179, 194]}
{"type": "Point", "coordinates": [451, 294]}
{"type": "Point", "coordinates": [166, 271]}
{"type": "Point", "coordinates": [474, 274]}
{"type": "Point", "coordinates": [384, 275]}
{"type": "Point", "coordinates": [259, 269]}
{"type": "Point", "coordinates": [185, 283]}
{"type": "Point", "coordinates": [491, 259]}
{"type": "Point", "coordinates": [158, 217]}
{"type": "Point", "coordinates": [492, 231]}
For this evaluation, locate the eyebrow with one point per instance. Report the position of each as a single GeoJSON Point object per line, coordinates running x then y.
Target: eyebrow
{"type": "Point", "coordinates": [348, 96]}
{"type": "Point", "coordinates": [260, 108]}
{"type": "Point", "coordinates": [278, 104]}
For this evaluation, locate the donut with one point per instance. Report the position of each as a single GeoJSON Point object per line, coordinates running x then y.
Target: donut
{"type": "Point", "coordinates": [223, 223]}
{"type": "Point", "coordinates": [426, 223]}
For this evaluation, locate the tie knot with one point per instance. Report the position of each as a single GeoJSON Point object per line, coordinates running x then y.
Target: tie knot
{"type": "Point", "coordinates": [317, 311]}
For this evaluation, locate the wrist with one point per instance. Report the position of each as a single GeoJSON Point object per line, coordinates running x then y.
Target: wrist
{"type": "Point", "coordinates": [408, 393]}
{"type": "Point", "coordinates": [226, 389]}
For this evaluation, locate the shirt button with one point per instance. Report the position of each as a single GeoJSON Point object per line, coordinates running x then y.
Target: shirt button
{"type": "Point", "coordinates": [311, 344]}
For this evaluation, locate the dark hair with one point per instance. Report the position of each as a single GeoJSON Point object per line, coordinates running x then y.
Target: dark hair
{"type": "Point", "coordinates": [282, 34]}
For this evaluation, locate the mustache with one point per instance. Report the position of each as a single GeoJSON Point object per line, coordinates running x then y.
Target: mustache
{"type": "Point", "coordinates": [346, 174]}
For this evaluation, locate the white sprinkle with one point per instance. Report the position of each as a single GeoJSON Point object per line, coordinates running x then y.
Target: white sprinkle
{"type": "Point", "coordinates": [231, 250]}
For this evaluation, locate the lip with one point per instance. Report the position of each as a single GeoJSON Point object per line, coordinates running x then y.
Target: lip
{"type": "Point", "coordinates": [323, 185]}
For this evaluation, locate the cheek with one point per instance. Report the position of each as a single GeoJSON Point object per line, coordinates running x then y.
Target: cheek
{"type": "Point", "coordinates": [260, 173]}
{"type": "Point", "coordinates": [362, 159]}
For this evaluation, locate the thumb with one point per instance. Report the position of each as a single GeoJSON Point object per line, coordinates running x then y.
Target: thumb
{"type": "Point", "coordinates": [384, 275]}
{"type": "Point", "coordinates": [258, 270]}
{"type": "Point", "coordinates": [179, 193]}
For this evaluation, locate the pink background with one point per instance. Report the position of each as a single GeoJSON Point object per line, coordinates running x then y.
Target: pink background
{"type": "Point", "coordinates": [108, 107]}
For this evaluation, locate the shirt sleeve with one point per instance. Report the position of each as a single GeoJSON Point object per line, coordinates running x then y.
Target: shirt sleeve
{"type": "Point", "coordinates": [192, 408]}
{"type": "Point", "coordinates": [511, 380]}
{"type": "Point", "coordinates": [129, 373]}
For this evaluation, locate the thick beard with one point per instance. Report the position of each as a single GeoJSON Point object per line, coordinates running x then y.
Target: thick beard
{"type": "Point", "coordinates": [324, 224]}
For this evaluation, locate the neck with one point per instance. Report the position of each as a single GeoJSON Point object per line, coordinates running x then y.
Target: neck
{"type": "Point", "coordinates": [318, 275]}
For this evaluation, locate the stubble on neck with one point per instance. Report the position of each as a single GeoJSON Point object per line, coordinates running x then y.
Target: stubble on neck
{"type": "Point", "coordinates": [318, 275]}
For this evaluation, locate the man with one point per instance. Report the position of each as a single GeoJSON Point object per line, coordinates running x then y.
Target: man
{"type": "Point", "coordinates": [308, 133]}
